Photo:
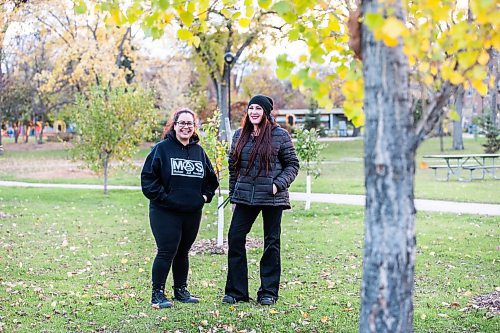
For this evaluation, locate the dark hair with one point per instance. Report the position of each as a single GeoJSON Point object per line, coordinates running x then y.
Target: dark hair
{"type": "Point", "coordinates": [169, 127]}
{"type": "Point", "coordinates": [262, 147]}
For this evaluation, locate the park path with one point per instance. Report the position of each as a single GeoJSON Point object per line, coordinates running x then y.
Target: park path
{"type": "Point", "coordinates": [341, 199]}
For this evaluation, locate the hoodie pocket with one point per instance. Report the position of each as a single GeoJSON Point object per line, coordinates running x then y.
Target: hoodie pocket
{"type": "Point", "coordinates": [184, 200]}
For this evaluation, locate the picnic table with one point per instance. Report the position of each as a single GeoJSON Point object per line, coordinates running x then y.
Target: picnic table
{"type": "Point", "coordinates": [456, 163]}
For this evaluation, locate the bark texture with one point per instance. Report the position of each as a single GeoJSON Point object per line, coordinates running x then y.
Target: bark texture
{"type": "Point", "coordinates": [389, 248]}
{"type": "Point", "coordinates": [458, 141]}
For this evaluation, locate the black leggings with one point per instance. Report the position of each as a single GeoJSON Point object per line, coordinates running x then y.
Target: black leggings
{"type": "Point", "coordinates": [174, 234]}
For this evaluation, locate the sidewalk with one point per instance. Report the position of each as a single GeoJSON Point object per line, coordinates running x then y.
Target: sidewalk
{"type": "Point", "coordinates": [341, 199]}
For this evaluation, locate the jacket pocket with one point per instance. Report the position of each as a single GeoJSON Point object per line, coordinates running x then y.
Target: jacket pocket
{"type": "Point", "coordinates": [271, 180]}
{"type": "Point", "coordinates": [235, 190]}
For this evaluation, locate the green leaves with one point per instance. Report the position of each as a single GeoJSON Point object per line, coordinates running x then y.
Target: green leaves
{"type": "Point", "coordinates": [134, 12]}
{"type": "Point", "coordinates": [265, 3]}
{"type": "Point", "coordinates": [282, 7]}
{"type": "Point", "coordinates": [111, 122]}
{"type": "Point", "coordinates": [163, 4]}
{"type": "Point", "coordinates": [308, 150]}
{"type": "Point", "coordinates": [80, 7]}
{"type": "Point", "coordinates": [373, 21]}
{"type": "Point", "coordinates": [216, 149]}
{"type": "Point", "coordinates": [286, 10]}
{"type": "Point", "coordinates": [285, 67]}
{"type": "Point", "coordinates": [186, 18]}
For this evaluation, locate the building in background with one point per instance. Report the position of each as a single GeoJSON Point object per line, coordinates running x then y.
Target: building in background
{"type": "Point", "coordinates": [334, 121]}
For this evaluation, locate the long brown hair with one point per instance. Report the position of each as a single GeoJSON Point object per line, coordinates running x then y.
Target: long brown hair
{"type": "Point", "coordinates": [262, 147]}
{"type": "Point", "coordinates": [169, 127]}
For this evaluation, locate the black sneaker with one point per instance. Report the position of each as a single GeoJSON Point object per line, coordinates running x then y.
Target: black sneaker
{"type": "Point", "coordinates": [184, 296]}
{"type": "Point", "coordinates": [228, 299]}
{"type": "Point", "coordinates": [267, 300]}
{"type": "Point", "coordinates": [158, 299]}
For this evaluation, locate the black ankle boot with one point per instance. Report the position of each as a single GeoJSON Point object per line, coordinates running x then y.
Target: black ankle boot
{"type": "Point", "coordinates": [181, 294]}
{"type": "Point", "coordinates": [158, 299]}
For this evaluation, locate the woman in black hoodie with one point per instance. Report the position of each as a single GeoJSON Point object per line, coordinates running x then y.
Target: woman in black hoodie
{"type": "Point", "coordinates": [178, 179]}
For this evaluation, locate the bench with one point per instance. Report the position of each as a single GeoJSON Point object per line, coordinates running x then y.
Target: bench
{"type": "Point", "coordinates": [485, 168]}
{"type": "Point", "coordinates": [444, 166]}
{"type": "Point", "coordinates": [455, 163]}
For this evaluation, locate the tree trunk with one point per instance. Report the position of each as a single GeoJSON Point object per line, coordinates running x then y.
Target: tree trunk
{"type": "Point", "coordinates": [494, 91]}
{"type": "Point", "coordinates": [40, 138]}
{"type": "Point", "coordinates": [42, 122]}
{"type": "Point", "coordinates": [389, 246]}
{"type": "Point", "coordinates": [308, 192]}
{"type": "Point", "coordinates": [441, 132]}
{"type": "Point", "coordinates": [106, 167]}
{"type": "Point", "coordinates": [1, 123]}
{"type": "Point", "coordinates": [220, 221]}
{"type": "Point", "coordinates": [17, 132]}
{"type": "Point", "coordinates": [27, 133]}
{"type": "Point", "coordinates": [458, 141]}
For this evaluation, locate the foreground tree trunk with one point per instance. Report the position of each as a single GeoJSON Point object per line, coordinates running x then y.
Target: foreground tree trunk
{"type": "Point", "coordinates": [389, 247]}
{"type": "Point", "coordinates": [458, 141]}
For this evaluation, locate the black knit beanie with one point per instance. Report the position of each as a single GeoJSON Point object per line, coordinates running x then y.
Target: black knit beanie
{"type": "Point", "coordinates": [265, 102]}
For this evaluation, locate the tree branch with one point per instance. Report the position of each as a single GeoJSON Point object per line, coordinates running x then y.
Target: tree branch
{"type": "Point", "coordinates": [434, 112]}
{"type": "Point", "coordinates": [245, 44]}
{"type": "Point", "coordinates": [53, 29]}
{"type": "Point", "coordinates": [67, 28]}
{"type": "Point", "coordinates": [120, 47]}
{"type": "Point", "coordinates": [213, 67]}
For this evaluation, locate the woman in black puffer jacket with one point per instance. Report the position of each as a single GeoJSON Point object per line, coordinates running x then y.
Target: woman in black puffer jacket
{"type": "Point", "coordinates": [262, 165]}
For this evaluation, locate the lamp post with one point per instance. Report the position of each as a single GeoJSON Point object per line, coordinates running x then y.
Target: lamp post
{"type": "Point", "coordinates": [228, 60]}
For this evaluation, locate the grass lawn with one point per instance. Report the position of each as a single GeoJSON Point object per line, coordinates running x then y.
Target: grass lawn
{"type": "Point", "coordinates": [342, 171]}
{"type": "Point", "coordinates": [79, 261]}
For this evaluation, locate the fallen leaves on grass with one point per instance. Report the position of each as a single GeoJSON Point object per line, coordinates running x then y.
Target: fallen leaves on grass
{"type": "Point", "coordinates": [210, 246]}
{"type": "Point", "coordinates": [489, 302]}
{"type": "Point", "coordinates": [5, 216]}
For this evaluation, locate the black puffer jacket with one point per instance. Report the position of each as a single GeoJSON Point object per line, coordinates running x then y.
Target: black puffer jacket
{"type": "Point", "coordinates": [176, 177]}
{"type": "Point", "coordinates": [255, 188]}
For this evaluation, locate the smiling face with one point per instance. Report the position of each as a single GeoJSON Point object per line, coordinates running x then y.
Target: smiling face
{"type": "Point", "coordinates": [255, 114]}
{"type": "Point", "coordinates": [184, 127]}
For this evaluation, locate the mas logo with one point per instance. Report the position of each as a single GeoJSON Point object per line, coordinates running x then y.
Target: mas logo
{"type": "Point", "coordinates": [186, 168]}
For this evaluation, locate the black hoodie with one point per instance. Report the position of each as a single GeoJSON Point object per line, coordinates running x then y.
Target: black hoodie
{"type": "Point", "coordinates": [175, 176]}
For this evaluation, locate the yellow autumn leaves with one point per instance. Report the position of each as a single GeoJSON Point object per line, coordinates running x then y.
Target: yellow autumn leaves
{"type": "Point", "coordinates": [387, 30]}
{"type": "Point", "coordinates": [442, 43]}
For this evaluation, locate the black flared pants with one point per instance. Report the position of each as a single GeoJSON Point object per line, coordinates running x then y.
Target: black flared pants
{"type": "Point", "coordinates": [270, 264]}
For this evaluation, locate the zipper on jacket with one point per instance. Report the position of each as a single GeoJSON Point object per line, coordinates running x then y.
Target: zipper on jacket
{"type": "Point", "coordinates": [253, 192]}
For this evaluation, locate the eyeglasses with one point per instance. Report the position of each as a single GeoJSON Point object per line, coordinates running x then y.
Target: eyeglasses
{"type": "Point", "coordinates": [185, 123]}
